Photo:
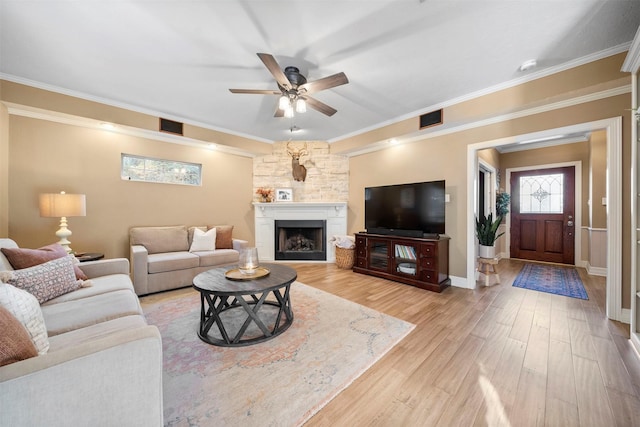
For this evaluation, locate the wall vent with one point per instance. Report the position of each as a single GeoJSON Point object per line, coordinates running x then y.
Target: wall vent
{"type": "Point", "coordinates": [170, 126]}
{"type": "Point", "coordinates": [431, 119]}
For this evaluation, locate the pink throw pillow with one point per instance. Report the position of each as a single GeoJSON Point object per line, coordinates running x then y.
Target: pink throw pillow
{"type": "Point", "coordinates": [15, 343]}
{"type": "Point", "coordinates": [20, 258]}
{"type": "Point", "coordinates": [46, 281]}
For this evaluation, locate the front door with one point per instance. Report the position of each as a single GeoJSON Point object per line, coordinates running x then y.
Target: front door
{"type": "Point", "coordinates": [542, 215]}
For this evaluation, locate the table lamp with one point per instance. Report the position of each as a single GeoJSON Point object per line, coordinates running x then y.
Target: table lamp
{"type": "Point", "coordinates": [62, 205]}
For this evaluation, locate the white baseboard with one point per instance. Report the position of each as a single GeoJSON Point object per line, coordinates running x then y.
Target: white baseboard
{"type": "Point", "coordinates": [625, 316]}
{"type": "Point", "coordinates": [460, 282]}
{"type": "Point", "coordinates": [596, 271]}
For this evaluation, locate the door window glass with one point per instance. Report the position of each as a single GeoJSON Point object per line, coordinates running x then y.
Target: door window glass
{"type": "Point", "coordinates": [541, 193]}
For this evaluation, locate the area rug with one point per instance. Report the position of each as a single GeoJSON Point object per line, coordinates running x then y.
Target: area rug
{"type": "Point", "coordinates": [551, 279]}
{"type": "Point", "coordinates": [280, 382]}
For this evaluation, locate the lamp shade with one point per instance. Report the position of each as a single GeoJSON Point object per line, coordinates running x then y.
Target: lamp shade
{"type": "Point", "coordinates": [62, 204]}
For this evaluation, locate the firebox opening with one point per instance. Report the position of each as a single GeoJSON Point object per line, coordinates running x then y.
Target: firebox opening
{"type": "Point", "coordinates": [300, 240]}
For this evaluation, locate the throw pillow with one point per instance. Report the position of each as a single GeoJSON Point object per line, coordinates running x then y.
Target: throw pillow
{"type": "Point", "coordinates": [46, 281]}
{"type": "Point", "coordinates": [160, 239]}
{"type": "Point", "coordinates": [26, 309]}
{"type": "Point", "coordinates": [15, 343]}
{"type": "Point", "coordinates": [223, 236]}
{"type": "Point", "coordinates": [203, 240]}
{"type": "Point", "coordinates": [24, 258]}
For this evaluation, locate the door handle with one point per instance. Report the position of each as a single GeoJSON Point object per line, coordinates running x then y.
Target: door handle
{"type": "Point", "coordinates": [569, 223]}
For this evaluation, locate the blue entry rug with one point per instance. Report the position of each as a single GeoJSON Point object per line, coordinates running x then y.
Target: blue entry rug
{"type": "Point", "coordinates": [551, 279]}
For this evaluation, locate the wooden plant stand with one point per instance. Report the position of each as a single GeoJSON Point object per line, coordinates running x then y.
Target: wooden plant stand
{"type": "Point", "coordinates": [489, 267]}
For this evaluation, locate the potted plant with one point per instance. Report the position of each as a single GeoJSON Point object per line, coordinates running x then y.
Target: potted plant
{"type": "Point", "coordinates": [502, 204]}
{"type": "Point", "coordinates": [487, 233]}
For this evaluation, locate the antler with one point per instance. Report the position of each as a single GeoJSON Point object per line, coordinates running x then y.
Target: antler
{"type": "Point", "coordinates": [296, 153]}
{"type": "Point", "coordinates": [303, 151]}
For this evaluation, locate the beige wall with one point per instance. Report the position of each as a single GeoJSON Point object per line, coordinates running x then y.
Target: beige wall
{"type": "Point", "coordinates": [4, 170]}
{"type": "Point", "coordinates": [491, 156]}
{"type": "Point", "coordinates": [430, 160]}
{"type": "Point", "coordinates": [598, 160]}
{"type": "Point", "coordinates": [50, 157]}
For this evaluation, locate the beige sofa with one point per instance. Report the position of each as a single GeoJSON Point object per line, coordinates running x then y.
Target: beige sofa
{"type": "Point", "coordinates": [161, 258]}
{"type": "Point", "coordinates": [103, 365]}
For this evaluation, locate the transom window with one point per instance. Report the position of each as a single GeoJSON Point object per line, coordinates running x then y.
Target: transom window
{"type": "Point", "coordinates": [139, 168]}
{"type": "Point", "coordinates": [541, 193]}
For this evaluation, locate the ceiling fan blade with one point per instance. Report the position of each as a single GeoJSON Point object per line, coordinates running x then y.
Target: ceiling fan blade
{"type": "Point", "coordinates": [273, 67]}
{"type": "Point", "coordinates": [320, 106]}
{"type": "Point", "coordinates": [256, 91]}
{"type": "Point", "coordinates": [324, 83]}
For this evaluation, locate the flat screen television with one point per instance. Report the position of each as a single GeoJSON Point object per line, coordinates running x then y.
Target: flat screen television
{"type": "Point", "coordinates": [412, 210]}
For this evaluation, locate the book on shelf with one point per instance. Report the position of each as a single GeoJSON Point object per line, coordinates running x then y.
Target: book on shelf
{"type": "Point", "coordinates": [406, 252]}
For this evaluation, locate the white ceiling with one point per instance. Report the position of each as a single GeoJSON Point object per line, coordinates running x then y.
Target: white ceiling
{"type": "Point", "coordinates": [177, 59]}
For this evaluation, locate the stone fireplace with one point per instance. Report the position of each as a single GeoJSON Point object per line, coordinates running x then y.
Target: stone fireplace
{"type": "Point", "coordinates": [299, 231]}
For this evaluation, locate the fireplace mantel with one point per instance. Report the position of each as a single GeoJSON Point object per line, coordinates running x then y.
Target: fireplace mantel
{"type": "Point", "coordinates": [334, 213]}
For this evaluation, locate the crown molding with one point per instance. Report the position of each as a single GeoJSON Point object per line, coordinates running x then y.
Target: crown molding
{"type": "Point", "coordinates": [381, 145]}
{"type": "Point", "coordinates": [496, 88]}
{"type": "Point", "coordinates": [632, 62]}
{"type": "Point", "coordinates": [116, 104]}
{"type": "Point", "coordinates": [69, 119]}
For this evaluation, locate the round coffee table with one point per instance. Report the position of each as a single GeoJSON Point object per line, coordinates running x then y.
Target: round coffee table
{"type": "Point", "coordinates": [246, 311]}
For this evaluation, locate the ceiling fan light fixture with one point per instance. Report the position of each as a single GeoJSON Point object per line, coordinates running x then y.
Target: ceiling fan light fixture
{"type": "Point", "coordinates": [292, 86]}
{"type": "Point", "coordinates": [283, 103]}
{"type": "Point", "coordinates": [301, 106]}
{"type": "Point", "coordinates": [288, 112]}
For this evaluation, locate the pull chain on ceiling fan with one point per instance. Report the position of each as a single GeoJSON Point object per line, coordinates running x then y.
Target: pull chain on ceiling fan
{"type": "Point", "coordinates": [294, 90]}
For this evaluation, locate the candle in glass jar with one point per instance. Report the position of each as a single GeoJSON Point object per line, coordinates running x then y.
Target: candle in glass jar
{"type": "Point", "coordinates": [248, 261]}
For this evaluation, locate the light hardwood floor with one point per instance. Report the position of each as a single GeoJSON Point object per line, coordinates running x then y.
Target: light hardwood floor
{"type": "Point", "coordinates": [497, 356]}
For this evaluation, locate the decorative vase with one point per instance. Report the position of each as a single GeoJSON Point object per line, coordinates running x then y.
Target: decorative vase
{"type": "Point", "coordinates": [486, 251]}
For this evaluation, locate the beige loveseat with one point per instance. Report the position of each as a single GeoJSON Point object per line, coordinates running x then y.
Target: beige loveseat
{"type": "Point", "coordinates": [103, 365]}
{"type": "Point", "coordinates": [161, 258]}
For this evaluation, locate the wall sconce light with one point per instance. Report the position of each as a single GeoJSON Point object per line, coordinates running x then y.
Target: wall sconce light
{"type": "Point", "coordinates": [62, 205]}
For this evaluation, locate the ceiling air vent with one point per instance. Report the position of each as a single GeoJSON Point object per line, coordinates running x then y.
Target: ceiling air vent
{"type": "Point", "coordinates": [170, 126]}
{"type": "Point", "coordinates": [431, 119]}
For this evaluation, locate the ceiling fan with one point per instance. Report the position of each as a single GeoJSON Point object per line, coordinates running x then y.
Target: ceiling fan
{"type": "Point", "coordinates": [294, 90]}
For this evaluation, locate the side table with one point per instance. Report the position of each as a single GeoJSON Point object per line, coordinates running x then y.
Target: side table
{"type": "Point", "coordinates": [489, 267]}
{"type": "Point", "coordinates": [89, 256]}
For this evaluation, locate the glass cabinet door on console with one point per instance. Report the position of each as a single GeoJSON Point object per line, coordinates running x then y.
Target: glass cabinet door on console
{"type": "Point", "coordinates": [405, 259]}
{"type": "Point", "coordinates": [378, 251]}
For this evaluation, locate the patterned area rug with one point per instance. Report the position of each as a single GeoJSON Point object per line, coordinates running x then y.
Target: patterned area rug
{"type": "Point", "coordinates": [280, 382]}
{"type": "Point", "coordinates": [551, 279]}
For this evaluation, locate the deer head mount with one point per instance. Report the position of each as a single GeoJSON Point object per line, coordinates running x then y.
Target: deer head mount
{"type": "Point", "coordinates": [298, 170]}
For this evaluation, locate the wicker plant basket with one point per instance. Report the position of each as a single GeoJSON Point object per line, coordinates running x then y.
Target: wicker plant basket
{"type": "Point", "coordinates": [344, 257]}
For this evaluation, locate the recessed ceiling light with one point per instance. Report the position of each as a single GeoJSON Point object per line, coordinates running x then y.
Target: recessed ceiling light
{"type": "Point", "coordinates": [107, 126]}
{"type": "Point", "coordinates": [527, 65]}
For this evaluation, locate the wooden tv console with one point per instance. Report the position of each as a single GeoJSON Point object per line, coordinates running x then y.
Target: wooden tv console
{"type": "Point", "coordinates": [419, 262]}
